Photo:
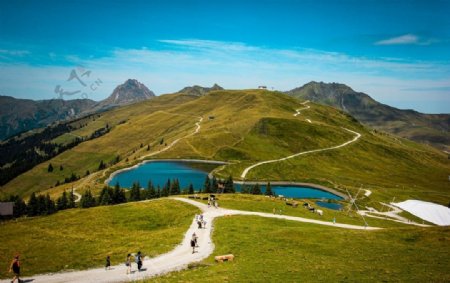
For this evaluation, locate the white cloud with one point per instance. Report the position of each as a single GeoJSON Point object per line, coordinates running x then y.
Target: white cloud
{"type": "Point", "coordinates": [407, 39]}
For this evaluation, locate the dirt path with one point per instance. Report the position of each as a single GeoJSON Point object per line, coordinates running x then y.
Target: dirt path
{"type": "Point", "coordinates": [178, 258]}
{"type": "Point", "coordinates": [357, 136]}
{"type": "Point", "coordinates": [197, 129]}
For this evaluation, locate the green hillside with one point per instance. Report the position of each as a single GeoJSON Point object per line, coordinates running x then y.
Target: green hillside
{"type": "Point", "coordinates": [430, 129]}
{"type": "Point", "coordinates": [79, 239]}
{"type": "Point", "coordinates": [247, 126]}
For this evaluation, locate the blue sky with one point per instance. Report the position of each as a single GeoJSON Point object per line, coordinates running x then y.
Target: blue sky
{"type": "Point", "coordinates": [396, 51]}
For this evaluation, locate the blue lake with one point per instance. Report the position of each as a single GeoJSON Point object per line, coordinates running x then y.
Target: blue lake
{"type": "Point", "coordinates": [195, 173]}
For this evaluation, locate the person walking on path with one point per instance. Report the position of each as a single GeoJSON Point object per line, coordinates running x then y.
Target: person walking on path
{"type": "Point", "coordinates": [193, 242]}
{"type": "Point", "coordinates": [194, 237]}
{"type": "Point", "coordinates": [15, 267]}
{"type": "Point", "coordinates": [139, 260]}
{"type": "Point", "coordinates": [108, 263]}
{"type": "Point", "coordinates": [128, 263]}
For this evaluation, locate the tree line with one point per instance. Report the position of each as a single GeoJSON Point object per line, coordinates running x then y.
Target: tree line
{"type": "Point", "coordinates": [44, 205]}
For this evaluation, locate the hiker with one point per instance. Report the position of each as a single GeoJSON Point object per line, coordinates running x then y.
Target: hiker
{"type": "Point", "coordinates": [194, 237]}
{"type": "Point", "coordinates": [138, 260]}
{"type": "Point", "coordinates": [108, 263]}
{"type": "Point", "coordinates": [193, 245]}
{"type": "Point", "coordinates": [204, 222]}
{"type": "Point", "coordinates": [128, 263]}
{"type": "Point", "coordinates": [216, 204]}
{"type": "Point", "coordinates": [15, 267]}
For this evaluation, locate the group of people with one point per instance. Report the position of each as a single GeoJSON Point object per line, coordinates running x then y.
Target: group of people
{"type": "Point", "coordinates": [212, 201]}
{"type": "Point", "coordinates": [201, 222]}
{"type": "Point", "coordinates": [137, 259]}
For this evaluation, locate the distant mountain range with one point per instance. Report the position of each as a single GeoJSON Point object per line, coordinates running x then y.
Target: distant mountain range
{"type": "Point", "coordinates": [21, 115]}
{"type": "Point", "coordinates": [199, 90]}
{"type": "Point", "coordinates": [432, 129]}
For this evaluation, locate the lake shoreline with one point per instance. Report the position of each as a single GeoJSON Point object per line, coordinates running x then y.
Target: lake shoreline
{"type": "Point", "coordinates": [274, 183]}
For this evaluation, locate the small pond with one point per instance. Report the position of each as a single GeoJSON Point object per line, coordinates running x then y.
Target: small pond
{"type": "Point", "coordinates": [195, 173]}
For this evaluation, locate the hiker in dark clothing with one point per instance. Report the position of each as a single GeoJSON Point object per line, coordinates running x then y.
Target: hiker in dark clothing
{"type": "Point", "coordinates": [193, 245]}
{"type": "Point", "coordinates": [139, 260]}
{"type": "Point", "coordinates": [108, 263]}
{"type": "Point", "coordinates": [15, 267]}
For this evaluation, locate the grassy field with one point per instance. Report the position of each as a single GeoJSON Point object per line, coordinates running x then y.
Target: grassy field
{"type": "Point", "coordinates": [82, 238]}
{"type": "Point", "coordinates": [271, 250]}
{"type": "Point", "coordinates": [247, 126]}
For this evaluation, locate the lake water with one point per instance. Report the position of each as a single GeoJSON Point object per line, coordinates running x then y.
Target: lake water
{"type": "Point", "coordinates": [195, 173]}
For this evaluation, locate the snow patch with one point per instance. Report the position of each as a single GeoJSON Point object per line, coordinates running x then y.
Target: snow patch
{"type": "Point", "coordinates": [431, 212]}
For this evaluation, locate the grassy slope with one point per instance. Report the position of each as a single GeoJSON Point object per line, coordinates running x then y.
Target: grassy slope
{"type": "Point", "coordinates": [270, 250]}
{"type": "Point", "coordinates": [146, 123]}
{"type": "Point", "coordinates": [81, 238]}
{"type": "Point", "coordinates": [253, 125]}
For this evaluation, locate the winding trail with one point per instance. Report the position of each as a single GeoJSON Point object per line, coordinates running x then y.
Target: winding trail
{"type": "Point", "coordinates": [178, 258]}
{"type": "Point", "coordinates": [357, 136]}
{"type": "Point", "coordinates": [297, 111]}
{"type": "Point", "coordinates": [197, 129]}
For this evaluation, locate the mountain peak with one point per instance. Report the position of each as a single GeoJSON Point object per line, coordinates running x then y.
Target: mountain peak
{"type": "Point", "coordinates": [199, 90]}
{"type": "Point", "coordinates": [129, 92]}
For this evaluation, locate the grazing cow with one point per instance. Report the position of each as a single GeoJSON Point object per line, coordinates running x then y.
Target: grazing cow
{"type": "Point", "coordinates": [312, 209]}
{"type": "Point", "coordinates": [319, 211]}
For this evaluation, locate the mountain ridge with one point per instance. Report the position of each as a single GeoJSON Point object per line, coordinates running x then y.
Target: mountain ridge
{"type": "Point", "coordinates": [199, 90]}
{"type": "Point", "coordinates": [432, 129]}
{"type": "Point", "coordinates": [22, 115]}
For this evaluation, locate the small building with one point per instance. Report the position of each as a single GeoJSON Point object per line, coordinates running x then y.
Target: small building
{"type": "Point", "coordinates": [6, 208]}
{"type": "Point", "coordinates": [262, 87]}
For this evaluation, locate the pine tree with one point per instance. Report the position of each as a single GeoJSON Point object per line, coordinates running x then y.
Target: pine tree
{"type": "Point", "coordinates": [165, 190]}
{"type": "Point", "coordinates": [229, 185]}
{"type": "Point", "coordinates": [32, 207]}
{"type": "Point", "coordinates": [135, 192]}
{"type": "Point", "coordinates": [50, 168]}
{"type": "Point", "coordinates": [87, 200]}
{"type": "Point", "coordinates": [106, 197]}
{"type": "Point", "coordinates": [269, 190]}
{"type": "Point", "coordinates": [175, 187]}
{"type": "Point", "coordinates": [71, 202]}
{"type": "Point", "coordinates": [118, 194]}
{"type": "Point", "coordinates": [62, 201]}
{"type": "Point", "coordinates": [42, 206]}
{"type": "Point", "coordinates": [169, 186]}
{"type": "Point", "coordinates": [158, 192]}
{"type": "Point", "coordinates": [207, 185]}
{"type": "Point", "coordinates": [214, 185]}
{"type": "Point", "coordinates": [256, 190]}
{"type": "Point", "coordinates": [151, 190]}
{"type": "Point", "coordinates": [191, 189]}
{"type": "Point", "coordinates": [20, 207]}
{"type": "Point", "coordinates": [49, 205]}
{"type": "Point", "coordinates": [102, 165]}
